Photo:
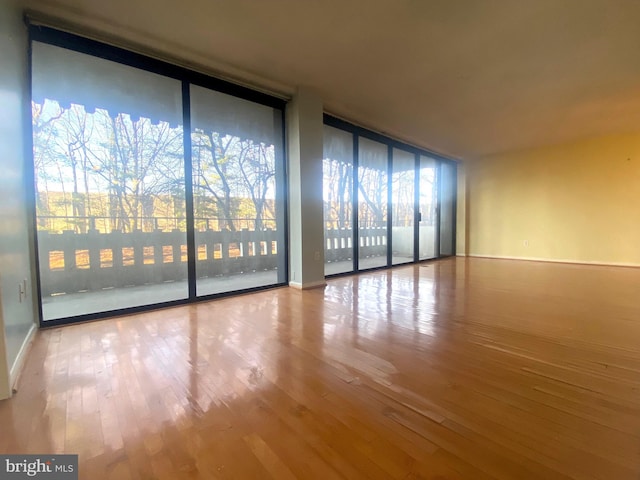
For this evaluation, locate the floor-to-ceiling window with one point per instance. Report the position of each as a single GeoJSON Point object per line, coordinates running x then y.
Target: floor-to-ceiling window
{"type": "Point", "coordinates": [428, 208]}
{"type": "Point", "coordinates": [404, 207]}
{"type": "Point", "coordinates": [236, 157]}
{"type": "Point", "coordinates": [337, 167]}
{"type": "Point", "coordinates": [373, 159]}
{"type": "Point", "coordinates": [153, 184]}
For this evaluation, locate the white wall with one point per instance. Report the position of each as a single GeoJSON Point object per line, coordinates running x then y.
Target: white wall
{"type": "Point", "coordinates": [306, 225]}
{"type": "Point", "coordinates": [17, 316]}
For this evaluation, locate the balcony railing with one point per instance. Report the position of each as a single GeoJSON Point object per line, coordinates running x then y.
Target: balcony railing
{"type": "Point", "coordinates": [74, 262]}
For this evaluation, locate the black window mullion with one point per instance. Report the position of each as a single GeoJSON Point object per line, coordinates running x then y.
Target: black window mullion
{"type": "Point", "coordinates": [282, 212]}
{"type": "Point", "coordinates": [192, 254]}
{"type": "Point", "coordinates": [354, 207]}
{"type": "Point", "coordinates": [438, 207]}
{"type": "Point", "coordinates": [417, 214]}
{"type": "Point", "coordinates": [389, 205]}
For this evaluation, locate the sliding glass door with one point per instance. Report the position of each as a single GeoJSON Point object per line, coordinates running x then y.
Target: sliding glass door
{"type": "Point", "coordinates": [110, 190]}
{"type": "Point", "coordinates": [402, 206]}
{"type": "Point", "coordinates": [337, 168]}
{"type": "Point", "coordinates": [237, 181]}
{"type": "Point", "coordinates": [428, 205]}
{"type": "Point", "coordinates": [404, 210]}
{"type": "Point", "coordinates": [373, 162]}
{"type": "Point", "coordinates": [153, 184]}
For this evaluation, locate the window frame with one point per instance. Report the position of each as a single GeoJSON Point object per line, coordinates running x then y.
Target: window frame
{"type": "Point", "coordinates": [391, 143]}
{"type": "Point", "coordinates": [71, 41]}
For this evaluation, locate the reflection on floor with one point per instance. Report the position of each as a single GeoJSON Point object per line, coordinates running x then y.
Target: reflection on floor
{"type": "Point", "coordinates": [332, 268]}
{"type": "Point", "coordinates": [456, 369]}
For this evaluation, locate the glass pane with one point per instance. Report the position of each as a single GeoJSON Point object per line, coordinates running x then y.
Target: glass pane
{"type": "Point", "coordinates": [447, 208]}
{"type": "Point", "coordinates": [428, 213]}
{"type": "Point", "coordinates": [338, 201]}
{"type": "Point", "coordinates": [237, 170]}
{"type": "Point", "coordinates": [108, 159]}
{"type": "Point", "coordinates": [372, 203]}
{"type": "Point", "coordinates": [402, 206]}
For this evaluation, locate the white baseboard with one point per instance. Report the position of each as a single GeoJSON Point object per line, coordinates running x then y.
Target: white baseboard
{"type": "Point", "coordinates": [16, 368]}
{"type": "Point", "coordinates": [308, 285]}
{"type": "Point", "coordinates": [558, 260]}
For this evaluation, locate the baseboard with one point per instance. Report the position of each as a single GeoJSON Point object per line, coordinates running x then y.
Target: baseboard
{"type": "Point", "coordinates": [308, 285]}
{"type": "Point", "coordinates": [558, 260]}
{"type": "Point", "coordinates": [16, 368]}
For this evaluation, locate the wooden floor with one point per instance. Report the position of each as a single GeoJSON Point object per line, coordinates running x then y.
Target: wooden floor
{"type": "Point", "coordinates": [464, 368]}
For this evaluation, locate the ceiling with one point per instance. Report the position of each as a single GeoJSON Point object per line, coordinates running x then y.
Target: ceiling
{"type": "Point", "coordinates": [465, 78]}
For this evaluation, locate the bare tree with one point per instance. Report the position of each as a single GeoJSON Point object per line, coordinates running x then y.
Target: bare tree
{"type": "Point", "coordinates": [338, 187]}
{"type": "Point", "coordinates": [372, 189]}
{"type": "Point", "coordinates": [212, 160]}
{"type": "Point", "coordinates": [46, 156]}
{"type": "Point", "coordinates": [127, 168]}
{"type": "Point", "coordinates": [257, 166]}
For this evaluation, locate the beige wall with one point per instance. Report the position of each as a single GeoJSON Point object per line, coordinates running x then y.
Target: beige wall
{"type": "Point", "coordinates": [576, 202]}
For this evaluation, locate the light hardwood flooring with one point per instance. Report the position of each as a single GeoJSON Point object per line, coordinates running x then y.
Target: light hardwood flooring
{"type": "Point", "coordinates": [462, 368]}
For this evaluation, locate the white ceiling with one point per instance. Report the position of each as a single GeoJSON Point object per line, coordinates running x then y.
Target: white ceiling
{"type": "Point", "coordinates": [465, 78]}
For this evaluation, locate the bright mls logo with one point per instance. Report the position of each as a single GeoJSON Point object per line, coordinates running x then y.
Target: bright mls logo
{"type": "Point", "coordinates": [51, 467]}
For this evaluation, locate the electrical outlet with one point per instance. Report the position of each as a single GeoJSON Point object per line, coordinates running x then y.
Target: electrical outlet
{"type": "Point", "coordinates": [317, 256]}
{"type": "Point", "coordinates": [22, 290]}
